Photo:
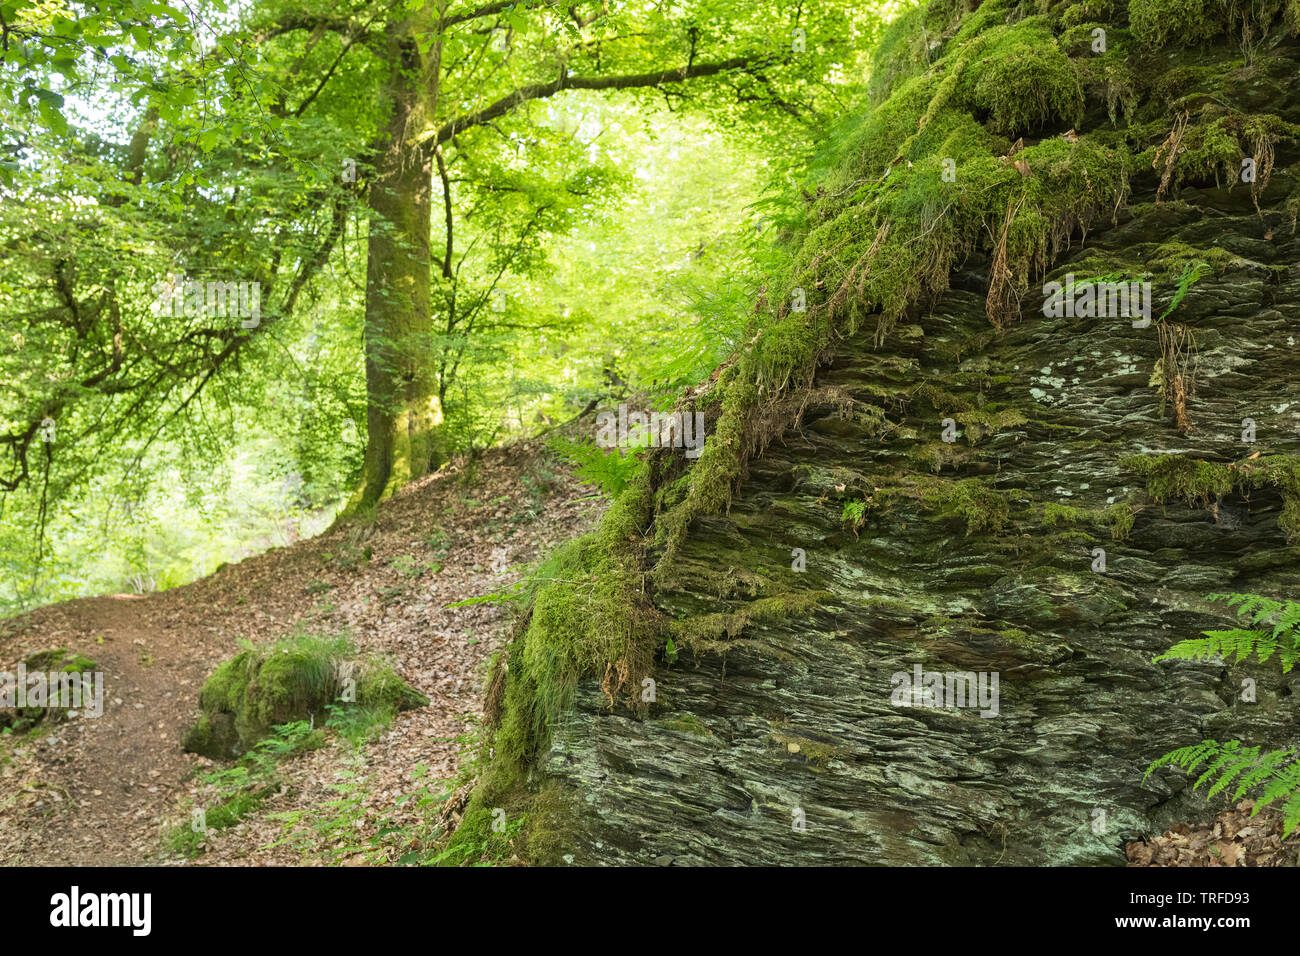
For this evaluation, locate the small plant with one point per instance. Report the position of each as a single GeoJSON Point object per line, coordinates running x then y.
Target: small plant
{"type": "Point", "coordinates": [608, 469]}
{"type": "Point", "coordinates": [246, 786]}
{"type": "Point", "coordinates": [439, 541]}
{"type": "Point", "coordinates": [1283, 639]}
{"type": "Point", "coordinates": [854, 511]}
{"type": "Point", "coordinates": [1271, 775]}
{"type": "Point", "coordinates": [357, 723]}
{"type": "Point", "coordinates": [334, 824]}
{"type": "Point", "coordinates": [392, 594]}
{"type": "Point", "coordinates": [349, 556]}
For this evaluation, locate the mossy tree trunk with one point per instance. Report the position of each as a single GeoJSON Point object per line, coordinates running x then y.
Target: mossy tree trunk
{"type": "Point", "coordinates": [404, 412]}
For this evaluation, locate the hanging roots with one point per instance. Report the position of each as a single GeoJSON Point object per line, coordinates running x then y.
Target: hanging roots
{"type": "Point", "coordinates": [1177, 355]}
{"type": "Point", "coordinates": [1170, 149]}
{"type": "Point", "coordinates": [1263, 168]}
{"type": "Point", "coordinates": [1003, 305]}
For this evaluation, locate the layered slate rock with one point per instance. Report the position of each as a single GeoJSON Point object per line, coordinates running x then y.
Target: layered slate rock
{"type": "Point", "coordinates": [712, 776]}
{"type": "Point", "coordinates": [777, 738]}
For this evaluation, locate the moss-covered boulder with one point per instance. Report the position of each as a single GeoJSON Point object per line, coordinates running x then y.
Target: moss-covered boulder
{"type": "Point", "coordinates": [298, 679]}
{"type": "Point", "coordinates": [55, 661]}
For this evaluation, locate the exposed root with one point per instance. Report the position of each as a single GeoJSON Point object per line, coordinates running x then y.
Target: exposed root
{"type": "Point", "coordinates": [1264, 158]}
{"type": "Point", "coordinates": [1169, 150]}
{"type": "Point", "coordinates": [1003, 304]}
{"type": "Point", "coordinates": [1177, 358]}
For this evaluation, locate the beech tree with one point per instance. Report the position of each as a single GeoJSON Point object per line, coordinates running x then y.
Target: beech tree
{"type": "Point", "coordinates": [260, 136]}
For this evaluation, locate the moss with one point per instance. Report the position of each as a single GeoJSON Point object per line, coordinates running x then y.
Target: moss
{"type": "Point", "coordinates": [933, 456]}
{"type": "Point", "coordinates": [1156, 22]}
{"type": "Point", "coordinates": [687, 723]}
{"type": "Point", "coordinates": [1056, 516]}
{"type": "Point", "coordinates": [703, 632]}
{"type": "Point", "coordinates": [1195, 482]}
{"type": "Point", "coordinates": [983, 507]}
{"type": "Point", "coordinates": [55, 661]}
{"type": "Point", "coordinates": [1213, 150]}
{"type": "Point", "coordinates": [1169, 260]}
{"type": "Point", "coordinates": [1023, 80]}
{"type": "Point", "coordinates": [1174, 477]}
{"type": "Point", "coordinates": [380, 687]}
{"type": "Point", "coordinates": [59, 660]}
{"type": "Point", "coordinates": [989, 420]}
{"type": "Point", "coordinates": [1118, 518]}
{"type": "Point", "coordinates": [806, 749]}
{"type": "Point", "coordinates": [295, 679]}
{"type": "Point", "coordinates": [1192, 22]}
{"type": "Point", "coordinates": [939, 399]}
{"type": "Point", "coordinates": [585, 615]}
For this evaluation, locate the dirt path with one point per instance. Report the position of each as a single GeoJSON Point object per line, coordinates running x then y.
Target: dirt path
{"type": "Point", "coordinates": [100, 791]}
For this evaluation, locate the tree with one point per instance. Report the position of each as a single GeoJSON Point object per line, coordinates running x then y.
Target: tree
{"type": "Point", "coordinates": [257, 139]}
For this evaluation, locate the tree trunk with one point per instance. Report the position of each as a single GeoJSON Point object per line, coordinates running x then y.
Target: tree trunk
{"type": "Point", "coordinates": [404, 412]}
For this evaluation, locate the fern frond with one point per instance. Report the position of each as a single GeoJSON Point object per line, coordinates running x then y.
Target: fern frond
{"type": "Point", "coordinates": [1288, 622]}
{"type": "Point", "coordinates": [1188, 758]}
{"type": "Point", "coordinates": [1259, 608]}
{"type": "Point", "coordinates": [1275, 775]}
{"type": "Point", "coordinates": [1228, 767]}
{"type": "Point", "coordinates": [1291, 814]}
{"type": "Point", "coordinates": [1266, 767]}
{"type": "Point", "coordinates": [1285, 781]}
{"type": "Point", "coordinates": [1223, 644]}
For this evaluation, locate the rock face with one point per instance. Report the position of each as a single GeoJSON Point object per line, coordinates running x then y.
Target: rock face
{"type": "Point", "coordinates": [798, 715]}
{"type": "Point", "coordinates": [786, 743]}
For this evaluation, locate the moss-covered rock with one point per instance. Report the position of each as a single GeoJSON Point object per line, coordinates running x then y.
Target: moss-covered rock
{"type": "Point", "coordinates": [55, 661]}
{"type": "Point", "coordinates": [297, 679]}
{"type": "Point", "coordinates": [1001, 148]}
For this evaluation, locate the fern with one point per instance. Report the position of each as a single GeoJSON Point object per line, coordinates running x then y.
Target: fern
{"type": "Point", "coordinates": [1282, 639]}
{"type": "Point", "coordinates": [1192, 273]}
{"type": "Point", "coordinates": [1273, 775]}
{"type": "Point", "coordinates": [609, 469]}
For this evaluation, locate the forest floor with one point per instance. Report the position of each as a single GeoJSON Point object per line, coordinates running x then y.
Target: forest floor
{"type": "Point", "coordinates": [104, 791]}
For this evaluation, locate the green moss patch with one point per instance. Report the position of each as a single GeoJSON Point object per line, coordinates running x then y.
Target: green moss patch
{"type": "Point", "coordinates": [296, 679]}
{"type": "Point", "coordinates": [56, 661]}
{"type": "Point", "coordinates": [1199, 483]}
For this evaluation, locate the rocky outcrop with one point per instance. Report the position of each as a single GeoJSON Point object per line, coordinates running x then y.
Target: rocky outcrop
{"type": "Point", "coordinates": [783, 738]}
{"type": "Point", "coordinates": [798, 714]}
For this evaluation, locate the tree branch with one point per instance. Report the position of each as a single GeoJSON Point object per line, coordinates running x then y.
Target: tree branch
{"type": "Point", "coordinates": [487, 10]}
{"type": "Point", "coordinates": [446, 199]}
{"type": "Point", "coordinates": [537, 91]}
